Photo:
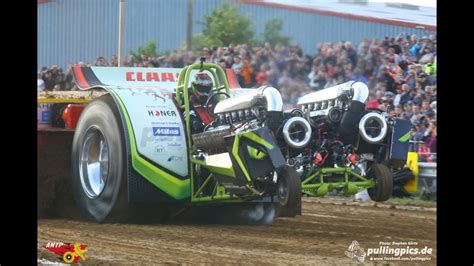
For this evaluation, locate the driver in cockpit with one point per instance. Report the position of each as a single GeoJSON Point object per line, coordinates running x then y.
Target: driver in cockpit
{"type": "Point", "coordinates": [199, 93]}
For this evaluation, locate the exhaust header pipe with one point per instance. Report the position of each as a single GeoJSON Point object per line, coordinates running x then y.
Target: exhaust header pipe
{"type": "Point", "coordinates": [348, 127]}
{"type": "Point", "coordinates": [273, 98]}
{"type": "Point", "coordinates": [360, 91]}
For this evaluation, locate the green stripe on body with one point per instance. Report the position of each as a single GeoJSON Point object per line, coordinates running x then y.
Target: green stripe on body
{"type": "Point", "coordinates": [235, 149]}
{"type": "Point", "coordinates": [405, 137]}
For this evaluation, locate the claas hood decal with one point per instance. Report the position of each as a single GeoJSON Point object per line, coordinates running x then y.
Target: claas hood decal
{"type": "Point", "coordinates": [162, 78]}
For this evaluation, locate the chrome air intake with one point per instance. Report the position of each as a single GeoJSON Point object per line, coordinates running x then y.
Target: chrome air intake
{"type": "Point", "coordinates": [373, 127]}
{"type": "Point", "coordinates": [297, 132]}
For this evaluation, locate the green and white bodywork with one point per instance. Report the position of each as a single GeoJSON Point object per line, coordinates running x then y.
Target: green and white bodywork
{"type": "Point", "coordinates": [162, 160]}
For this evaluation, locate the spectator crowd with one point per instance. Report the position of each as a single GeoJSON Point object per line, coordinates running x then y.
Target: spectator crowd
{"type": "Point", "coordinates": [400, 73]}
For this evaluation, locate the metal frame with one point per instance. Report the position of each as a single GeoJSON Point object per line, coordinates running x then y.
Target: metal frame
{"type": "Point", "coordinates": [312, 187]}
{"type": "Point", "coordinates": [219, 192]}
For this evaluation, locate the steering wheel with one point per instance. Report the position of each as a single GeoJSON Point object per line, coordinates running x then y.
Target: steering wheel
{"type": "Point", "coordinates": [209, 101]}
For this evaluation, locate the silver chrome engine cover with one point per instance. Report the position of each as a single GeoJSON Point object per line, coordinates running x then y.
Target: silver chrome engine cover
{"type": "Point", "coordinates": [254, 97]}
{"type": "Point", "coordinates": [320, 102]}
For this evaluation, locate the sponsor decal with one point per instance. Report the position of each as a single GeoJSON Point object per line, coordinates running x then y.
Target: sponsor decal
{"type": "Point", "coordinates": [165, 123]}
{"type": "Point", "coordinates": [166, 131]}
{"type": "Point", "coordinates": [70, 253]}
{"type": "Point", "coordinates": [161, 113]}
{"type": "Point", "coordinates": [150, 92]}
{"type": "Point", "coordinates": [44, 112]}
{"type": "Point", "coordinates": [175, 145]}
{"type": "Point", "coordinates": [46, 116]}
{"type": "Point", "coordinates": [159, 149]}
{"type": "Point", "coordinates": [405, 137]}
{"type": "Point", "coordinates": [175, 158]}
{"type": "Point", "coordinates": [159, 135]}
{"type": "Point", "coordinates": [151, 76]}
{"type": "Point", "coordinates": [44, 105]}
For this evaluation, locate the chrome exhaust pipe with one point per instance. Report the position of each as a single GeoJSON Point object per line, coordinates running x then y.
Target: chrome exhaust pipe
{"type": "Point", "coordinates": [273, 98]}
{"type": "Point", "coordinates": [350, 119]}
{"type": "Point", "coordinates": [360, 90]}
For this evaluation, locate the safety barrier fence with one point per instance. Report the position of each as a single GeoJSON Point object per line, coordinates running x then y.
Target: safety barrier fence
{"type": "Point", "coordinates": [427, 175]}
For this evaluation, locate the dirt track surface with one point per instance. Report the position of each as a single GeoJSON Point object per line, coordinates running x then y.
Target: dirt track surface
{"type": "Point", "coordinates": [320, 236]}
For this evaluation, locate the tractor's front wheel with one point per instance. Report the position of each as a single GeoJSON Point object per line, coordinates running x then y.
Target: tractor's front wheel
{"type": "Point", "coordinates": [289, 192]}
{"type": "Point", "coordinates": [383, 188]}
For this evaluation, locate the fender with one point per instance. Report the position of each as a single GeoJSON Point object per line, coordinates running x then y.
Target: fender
{"type": "Point", "coordinates": [155, 136]}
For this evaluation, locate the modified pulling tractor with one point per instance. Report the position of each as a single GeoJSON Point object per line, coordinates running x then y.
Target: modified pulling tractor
{"type": "Point", "coordinates": [136, 145]}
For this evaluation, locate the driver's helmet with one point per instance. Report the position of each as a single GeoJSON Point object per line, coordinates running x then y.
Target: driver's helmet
{"type": "Point", "coordinates": [202, 84]}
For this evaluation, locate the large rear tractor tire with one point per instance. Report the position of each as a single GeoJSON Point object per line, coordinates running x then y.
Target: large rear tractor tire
{"type": "Point", "coordinates": [99, 163]}
{"type": "Point", "coordinates": [383, 188]}
{"type": "Point", "coordinates": [289, 193]}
